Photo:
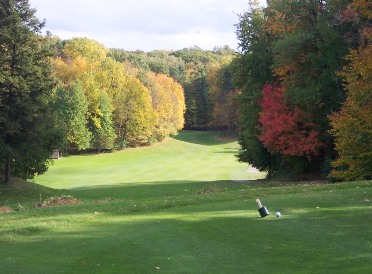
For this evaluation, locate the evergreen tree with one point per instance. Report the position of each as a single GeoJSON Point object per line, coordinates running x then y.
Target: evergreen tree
{"type": "Point", "coordinates": [28, 131]}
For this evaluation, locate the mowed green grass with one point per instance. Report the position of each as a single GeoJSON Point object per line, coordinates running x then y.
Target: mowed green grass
{"type": "Point", "coordinates": [190, 157]}
{"type": "Point", "coordinates": [189, 225]}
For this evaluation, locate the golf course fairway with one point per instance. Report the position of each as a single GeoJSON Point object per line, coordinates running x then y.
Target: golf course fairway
{"type": "Point", "coordinates": [181, 206]}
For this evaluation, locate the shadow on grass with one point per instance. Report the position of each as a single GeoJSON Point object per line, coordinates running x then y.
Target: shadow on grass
{"type": "Point", "coordinates": [143, 197]}
{"type": "Point", "coordinates": [146, 198]}
{"type": "Point", "coordinates": [215, 238]}
{"type": "Point", "coordinates": [205, 138]}
{"type": "Point", "coordinates": [150, 190]}
{"type": "Point", "coordinates": [229, 151]}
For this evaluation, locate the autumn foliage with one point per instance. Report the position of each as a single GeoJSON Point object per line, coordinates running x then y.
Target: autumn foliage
{"type": "Point", "coordinates": [124, 108]}
{"type": "Point", "coordinates": [303, 46]}
{"type": "Point", "coordinates": [284, 129]}
{"type": "Point", "coordinates": [168, 102]}
{"type": "Point", "coordinates": [352, 126]}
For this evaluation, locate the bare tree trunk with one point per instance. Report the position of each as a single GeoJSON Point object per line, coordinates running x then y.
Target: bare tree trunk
{"type": "Point", "coordinates": [7, 169]}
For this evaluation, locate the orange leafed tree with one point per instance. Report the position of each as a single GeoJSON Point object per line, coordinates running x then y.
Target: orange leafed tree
{"type": "Point", "coordinates": [352, 126]}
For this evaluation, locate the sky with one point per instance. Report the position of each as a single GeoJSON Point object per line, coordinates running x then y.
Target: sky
{"type": "Point", "coordinates": [145, 24]}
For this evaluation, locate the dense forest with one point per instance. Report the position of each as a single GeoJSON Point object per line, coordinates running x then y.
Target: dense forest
{"type": "Point", "coordinates": [297, 94]}
{"type": "Point", "coordinates": [205, 76]}
{"type": "Point", "coordinates": [149, 95]}
{"type": "Point", "coordinates": [305, 79]}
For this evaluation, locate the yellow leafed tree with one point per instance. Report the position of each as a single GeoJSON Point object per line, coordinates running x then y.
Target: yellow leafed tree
{"type": "Point", "coordinates": [134, 117]}
{"type": "Point", "coordinates": [168, 102]}
{"type": "Point", "coordinates": [352, 126]}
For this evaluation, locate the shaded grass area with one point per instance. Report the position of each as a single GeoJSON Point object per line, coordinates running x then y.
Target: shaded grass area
{"type": "Point", "coordinates": [24, 194]}
{"type": "Point", "coordinates": [205, 138]}
{"type": "Point", "coordinates": [213, 228]}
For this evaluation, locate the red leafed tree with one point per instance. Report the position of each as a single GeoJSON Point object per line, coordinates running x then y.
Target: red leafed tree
{"type": "Point", "coordinates": [283, 129]}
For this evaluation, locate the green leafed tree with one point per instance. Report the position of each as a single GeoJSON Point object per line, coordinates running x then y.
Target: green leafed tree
{"type": "Point", "coordinates": [252, 70]}
{"type": "Point", "coordinates": [71, 106]}
{"type": "Point", "coordinates": [223, 96]}
{"type": "Point", "coordinates": [104, 134]}
{"type": "Point", "coordinates": [301, 45]}
{"type": "Point", "coordinates": [28, 131]}
{"type": "Point", "coordinates": [309, 51]}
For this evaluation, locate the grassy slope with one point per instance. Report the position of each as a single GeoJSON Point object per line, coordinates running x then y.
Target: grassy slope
{"type": "Point", "coordinates": [200, 158]}
{"type": "Point", "coordinates": [192, 226]}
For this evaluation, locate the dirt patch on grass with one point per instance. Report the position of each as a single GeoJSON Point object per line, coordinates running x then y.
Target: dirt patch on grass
{"type": "Point", "coordinates": [58, 201]}
{"type": "Point", "coordinates": [5, 209]}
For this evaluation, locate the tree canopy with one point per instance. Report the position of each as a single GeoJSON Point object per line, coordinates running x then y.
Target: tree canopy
{"type": "Point", "coordinates": [28, 126]}
{"type": "Point", "coordinates": [288, 75]}
{"type": "Point", "coordinates": [352, 125]}
{"type": "Point", "coordinates": [297, 94]}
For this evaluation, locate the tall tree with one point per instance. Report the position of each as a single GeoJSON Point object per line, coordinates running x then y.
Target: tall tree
{"type": "Point", "coordinates": [27, 126]}
{"type": "Point", "coordinates": [305, 43]}
{"type": "Point", "coordinates": [71, 106]}
{"type": "Point", "coordinates": [308, 52]}
{"type": "Point", "coordinates": [134, 118]}
{"type": "Point", "coordinates": [168, 102]}
{"type": "Point", "coordinates": [352, 126]}
{"type": "Point", "coordinates": [100, 78]}
{"type": "Point", "coordinates": [199, 109]}
{"type": "Point", "coordinates": [223, 95]}
{"type": "Point", "coordinates": [104, 134]}
{"type": "Point", "coordinates": [252, 70]}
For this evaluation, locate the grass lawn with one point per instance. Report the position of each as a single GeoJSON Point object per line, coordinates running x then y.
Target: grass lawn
{"type": "Point", "coordinates": [190, 157]}
{"type": "Point", "coordinates": [204, 221]}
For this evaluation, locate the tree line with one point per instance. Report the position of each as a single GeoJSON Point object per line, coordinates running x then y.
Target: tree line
{"type": "Point", "coordinates": [205, 76]}
{"type": "Point", "coordinates": [305, 79]}
{"type": "Point", "coordinates": [190, 88]}
{"type": "Point", "coordinates": [101, 105]}
{"type": "Point", "coordinates": [76, 95]}
{"type": "Point", "coordinates": [297, 95]}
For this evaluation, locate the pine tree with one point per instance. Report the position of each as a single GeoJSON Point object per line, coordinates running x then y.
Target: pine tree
{"type": "Point", "coordinates": [28, 131]}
